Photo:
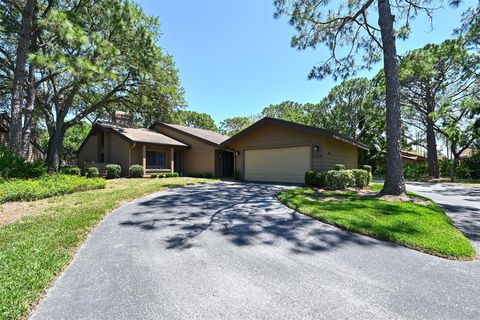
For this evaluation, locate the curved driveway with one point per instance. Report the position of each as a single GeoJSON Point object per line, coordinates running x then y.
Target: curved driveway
{"type": "Point", "coordinates": [232, 251]}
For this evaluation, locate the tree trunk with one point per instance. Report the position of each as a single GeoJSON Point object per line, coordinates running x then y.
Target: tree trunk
{"type": "Point", "coordinates": [28, 114]}
{"type": "Point", "coordinates": [19, 76]}
{"type": "Point", "coordinates": [453, 167]}
{"type": "Point", "coordinates": [432, 155]}
{"type": "Point", "coordinates": [394, 182]}
{"type": "Point", "coordinates": [55, 144]}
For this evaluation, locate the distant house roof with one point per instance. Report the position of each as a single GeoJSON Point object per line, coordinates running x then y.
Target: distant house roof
{"type": "Point", "coordinates": [412, 155]}
{"type": "Point", "coordinates": [139, 134]}
{"type": "Point", "coordinates": [294, 125]}
{"type": "Point", "coordinates": [467, 153]}
{"type": "Point", "coordinates": [208, 136]}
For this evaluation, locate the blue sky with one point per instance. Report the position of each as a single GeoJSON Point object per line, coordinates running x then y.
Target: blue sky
{"type": "Point", "coordinates": [235, 59]}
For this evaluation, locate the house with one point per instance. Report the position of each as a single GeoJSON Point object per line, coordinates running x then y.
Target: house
{"type": "Point", "coordinates": [35, 152]}
{"type": "Point", "coordinates": [409, 157]}
{"type": "Point", "coordinates": [269, 150]}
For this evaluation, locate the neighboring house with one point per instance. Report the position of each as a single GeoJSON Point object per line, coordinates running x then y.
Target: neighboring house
{"type": "Point", "coordinates": [35, 152]}
{"type": "Point", "coordinates": [412, 157]}
{"type": "Point", "coordinates": [269, 150]}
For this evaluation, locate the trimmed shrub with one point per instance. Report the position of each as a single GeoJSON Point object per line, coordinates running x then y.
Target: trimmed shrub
{"type": "Point", "coordinates": [136, 171]}
{"type": "Point", "coordinates": [92, 172]}
{"type": "Point", "coordinates": [153, 176]}
{"type": "Point", "coordinates": [113, 171]}
{"type": "Point", "coordinates": [71, 171]}
{"type": "Point", "coordinates": [315, 178]}
{"type": "Point", "coordinates": [369, 169]}
{"type": "Point", "coordinates": [339, 179]}
{"type": "Point", "coordinates": [339, 166]}
{"type": "Point", "coordinates": [47, 186]}
{"type": "Point", "coordinates": [362, 177]}
{"type": "Point", "coordinates": [171, 174]}
{"type": "Point", "coordinates": [12, 166]}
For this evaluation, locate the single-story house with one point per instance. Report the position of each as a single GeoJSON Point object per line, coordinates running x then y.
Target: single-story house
{"type": "Point", "coordinates": [35, 152]}
{"type": "Point", "coordinates": [269, 150]}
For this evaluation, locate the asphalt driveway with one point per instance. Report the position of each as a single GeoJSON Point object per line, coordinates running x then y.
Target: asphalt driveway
{"type": "Point", "coordinates": [232, 251]}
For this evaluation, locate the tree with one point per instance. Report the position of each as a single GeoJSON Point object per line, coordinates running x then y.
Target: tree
{"type": "Point", "coordinates": [346, 110]}
{"type": "Point", "coordinates": [195, 119]}
{"type": "Point", "coordinates": [347, 31]}
{"type": "Point", "coordinates": [231, 126]}
{"type": "Point", "coordinates": [286, 110]}
{"type": "Point", "coordinates": [431, 77]}
{"type": "Point", "coordinates": [99, 56]}
{"type": "Point", "coordinates": [74, 137]}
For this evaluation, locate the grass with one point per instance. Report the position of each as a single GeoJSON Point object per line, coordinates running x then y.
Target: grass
{"type": "Point", "coordinates": [421, 226]}
{"type": "Point", "coordinates": [47, 186]}
{"type": "Point", "coordinates": [35, 249]}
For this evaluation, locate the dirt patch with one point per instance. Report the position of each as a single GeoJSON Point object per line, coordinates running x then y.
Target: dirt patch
{"type": "Point", "coordinates": [340, 195]}
{"type": "Point", "coordinates": [14, 211]}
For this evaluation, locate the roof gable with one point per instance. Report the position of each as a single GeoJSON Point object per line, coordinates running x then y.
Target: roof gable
{"type": "Point", "coordinates": [208, 136]}
{"type": "Point", "coordinates": [141, 135]}
{"type": "Point", "coordinates": [297, 126]}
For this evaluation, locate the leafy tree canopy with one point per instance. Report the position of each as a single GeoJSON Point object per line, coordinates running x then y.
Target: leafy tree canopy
{"type": "Point", "coordinates": [195, 119]}
{"type": "Point", "coordinates": [231, 126]}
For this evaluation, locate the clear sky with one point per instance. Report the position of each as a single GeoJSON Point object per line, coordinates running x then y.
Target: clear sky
{"type": "Point", "coordinates": [235, 59]}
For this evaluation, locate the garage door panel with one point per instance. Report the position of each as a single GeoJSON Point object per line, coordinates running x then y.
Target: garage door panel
{"type": "Point", "coordinates": [277, 164]}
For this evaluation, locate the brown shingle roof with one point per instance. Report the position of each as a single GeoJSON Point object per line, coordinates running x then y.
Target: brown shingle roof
{"type": "Point", "coordinates": [140, 134]}
{"type": "Point", "coordinates": [202, 134]}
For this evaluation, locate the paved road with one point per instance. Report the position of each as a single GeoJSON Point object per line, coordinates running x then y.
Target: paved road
{"type": "Point", "coordinates": [232, 251]}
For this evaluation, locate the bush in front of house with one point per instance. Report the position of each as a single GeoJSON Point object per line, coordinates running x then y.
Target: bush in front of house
{"type": "Point", "coordinates": [362, 177]}
{"type": "Point", "coordinates": [315, 178]}
{"type": "Point", "coordinates": [339, 179]}
{"type": "Point", "coordinates": [415, 170]}
{"type": "Point", "coordinates": [92, 172]}
{"type": "Point", "coordinates": [113, 171]}
{"type": "Point", "coordinates": [153, 176]}
{"type": "Point", "coordinates": [205, 175]}
{"type": "Point", "coordinates": [12, 166]}
{"type": "Point", "coordinates": [367, 168]}
{"type": "Point", "coordinates": [339, 166]}
{"type": "Point", "coordinates": [171, 174]}
{"type": "Point", "coordinates": [46, 186]}
{"type": "Point", "coordinates": [136, 171]}
{"type": "Point", "coordinates": [71, 171]}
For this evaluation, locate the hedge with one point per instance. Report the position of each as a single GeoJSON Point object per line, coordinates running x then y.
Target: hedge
{"type": "Point", "coordinates": [362, 177]}
{"type": "Point", "coordinates": [339, 179]}
{"type": "Point", "coordinates": [72, 171]}
{"type": "Point", "coordinates": [92, 172]}
{"type": "Point", "coordinates": [113, 171]}
{"type": "Point", "coordinates": [315, 178]}
{"type": "Point", "coordinates": [47, 186]}
{"type": "Point", "coordinates": [136, 171]}
{"type": "Point", "coordinates": [339, 166]}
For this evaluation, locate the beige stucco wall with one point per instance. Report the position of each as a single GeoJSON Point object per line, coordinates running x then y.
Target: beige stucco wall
{"type": "Point", "coordinates": [331, 151]}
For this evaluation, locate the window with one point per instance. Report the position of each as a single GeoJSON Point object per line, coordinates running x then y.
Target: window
{"type": "Point", "coordinates": [156, 159]}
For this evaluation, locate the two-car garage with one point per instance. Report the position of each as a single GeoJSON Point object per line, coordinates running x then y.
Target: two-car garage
{"type": "Point", "coordinates": [274, 150]}
{"type": "Point", "coordinates": [287, 164]}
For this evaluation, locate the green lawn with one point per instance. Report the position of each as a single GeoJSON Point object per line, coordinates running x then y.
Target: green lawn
{"type": "Point", "coordinates": [421, 226]}
{"type": "Point", "coordinates": [35, 249]}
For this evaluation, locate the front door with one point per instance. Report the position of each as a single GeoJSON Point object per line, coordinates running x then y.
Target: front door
{"type": "Point", "coordinates": [177, 158]}
{"type": "Point", "coordinates": [227, 164]}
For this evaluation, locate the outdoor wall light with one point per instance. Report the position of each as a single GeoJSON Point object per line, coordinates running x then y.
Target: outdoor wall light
{"type": "Point", "coordinates": [316, 148]}
{"type": "Point", "coordinates": [219, 155]}
{"type": "Point", "coordinates": [237, 153]}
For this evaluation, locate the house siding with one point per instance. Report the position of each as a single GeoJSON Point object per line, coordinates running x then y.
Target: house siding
{"type": "Point", "coordinates": [119, 149]}
{"type": "Point", "coordinates": [330, 151]}
{"type": "Point", "coordinates": [88, 153]}
{"type": "Point", "coordinates": [199, 158]}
